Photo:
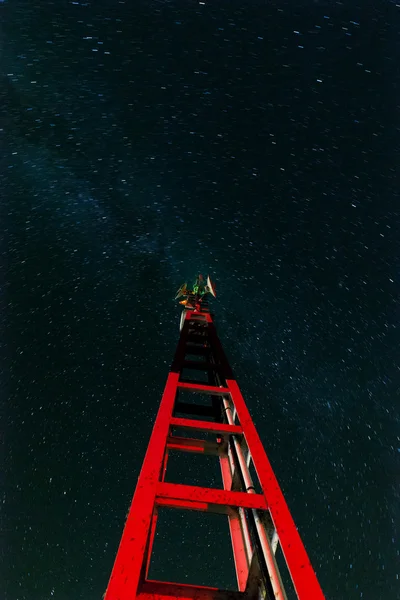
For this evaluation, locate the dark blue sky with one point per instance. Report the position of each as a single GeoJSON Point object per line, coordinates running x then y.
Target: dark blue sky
{"type": "Point", "coordinates": [144, 142]}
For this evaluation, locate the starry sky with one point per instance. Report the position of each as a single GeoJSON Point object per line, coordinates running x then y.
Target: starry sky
{"type": "Point", "coordinates": [142, 142]}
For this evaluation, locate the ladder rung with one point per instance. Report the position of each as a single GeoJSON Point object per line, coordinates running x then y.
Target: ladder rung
{"type": "Point", "coordinates": [176, 495]}
{"type": "Point", "coordinates": [190, 381]}
{"type": "Point", "coordinates": [206, 426]}
{"type": "Point", "coordinates": [150, 590]}
{"type": "Point", "coordinates": [205, 389]}
{"type": "Point", "coordinates": [193, 445]}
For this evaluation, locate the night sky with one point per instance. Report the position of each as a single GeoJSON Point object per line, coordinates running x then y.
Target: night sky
{"type": "Point", "coordinates": [143, 142]}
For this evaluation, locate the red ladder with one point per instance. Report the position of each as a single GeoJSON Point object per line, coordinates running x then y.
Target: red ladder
{"type": "Point", "coordinates": [258, 523]}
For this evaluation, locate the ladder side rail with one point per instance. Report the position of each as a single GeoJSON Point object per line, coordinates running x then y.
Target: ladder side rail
{"type": "Point", "coordinates": [132, 552]}
{"type": "Point", "coordinates": [273, 571]}
{"type": "Point", "coordinates": [303, 576]}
